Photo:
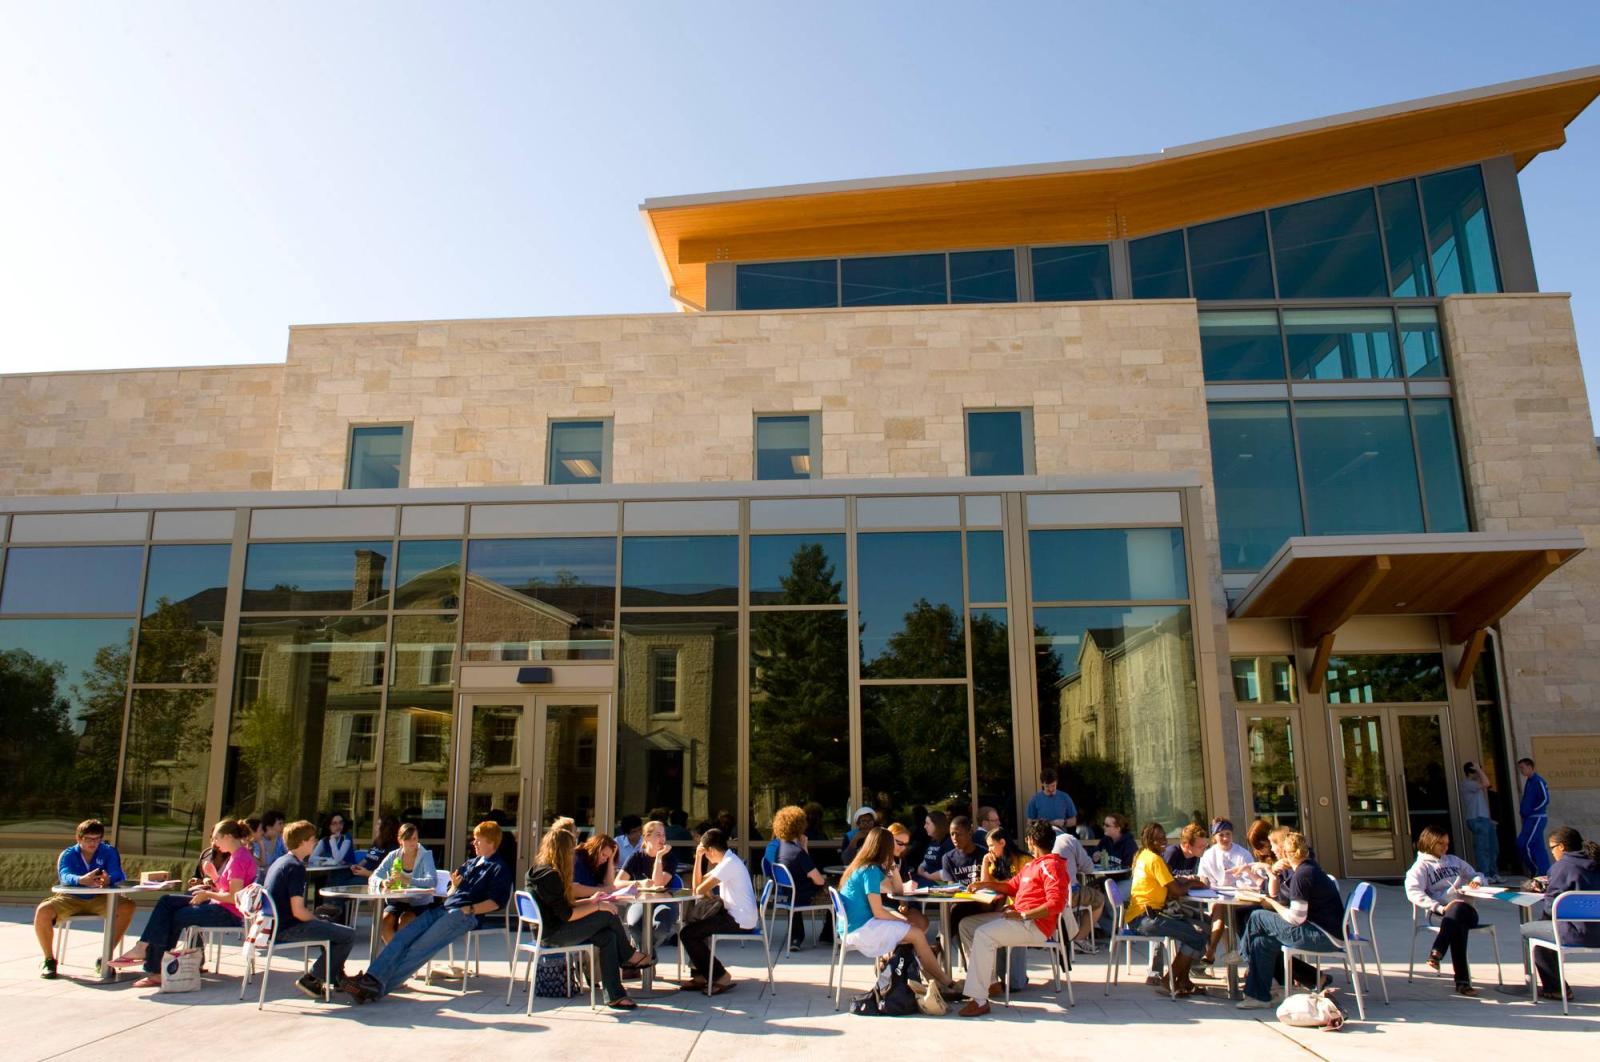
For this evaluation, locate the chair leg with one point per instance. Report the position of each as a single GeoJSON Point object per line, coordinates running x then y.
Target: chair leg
{"type": "Point", "coordinates": [1361, 1001]}
{"type": "Point", "coordinates": [1533, 973]}
{"type": "Point", "coordinates": [1561, 978]}
{"type": "Point", "coordinates": [711, 965]}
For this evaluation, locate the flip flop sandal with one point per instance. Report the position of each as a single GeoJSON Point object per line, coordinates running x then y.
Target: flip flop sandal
{"type": "Point", "coordinates": [690, 986]}
{"type": "Point", "coordinates": [122, 962]}
{"type": "Point", "coordinates": [625, 1003]}
{"type": "Point", "coordinates": [717, 990]}
{"type": "Point", "coordinates": [148, 982]}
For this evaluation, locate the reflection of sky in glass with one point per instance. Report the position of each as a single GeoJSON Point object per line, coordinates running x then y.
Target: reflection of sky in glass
{"type": "Point", "coordinates": [986, 566]}
{"type": "Point", "coordinates": [1108, 564]}
{"type": "Point", "coordinates": [894, 571]}
{"type": "Point", "coordinates": [1064, 631]}
{"type": "Point", "coordinates": [522, 562]}
{"type": "Point", "coordinates": [307, 565]}
{"type": "Point", "coordinates": [419, 558]}
{"type": "Point", "coordinates": [69, 642]}
{"type": "Point", "coordinates": [72, 579]}
{"type": "Point", "coordinates": [681, 564]}
{"type": "Point", "coordinates": [177, 573]}
{"type": "Point", "coordinates": [772, 556]}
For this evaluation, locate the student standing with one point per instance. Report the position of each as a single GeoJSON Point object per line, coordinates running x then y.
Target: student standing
{"type": "Point", "coordinates": [1050, 804]}
{"type": "Point", "coordinates": [286, 884]}
{"type": "Point", "coordinates": [1475, 810]}
{"type": "Point", "coordinates": [1535, 811]}
{"type": "Point", "coordinates": [88, 862]}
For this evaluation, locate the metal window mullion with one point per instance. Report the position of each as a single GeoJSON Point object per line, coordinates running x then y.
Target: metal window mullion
{"type": "Point", "coordinates": [1383, 245]}
{"type": "Point", "coordinates": [742, 638]}
{"type": "Point", "coordinates": [1416, 463]}
{"type": "Point", "coordinates": [127, 683]}
{"type": "Point", "coordinates": [853, 653]}
{"type": "Point", "coordinates": [227, 665]}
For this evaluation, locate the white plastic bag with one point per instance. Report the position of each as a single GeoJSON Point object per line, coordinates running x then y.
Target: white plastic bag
{"type": "Point", "coordinates": [1311, 1010]}
{"type": "Point", "coordinates": [180, 969]}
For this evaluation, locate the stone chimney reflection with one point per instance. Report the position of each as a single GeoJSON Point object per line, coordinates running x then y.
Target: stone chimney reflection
{"type": "Point", "coordinates": [368, 582]}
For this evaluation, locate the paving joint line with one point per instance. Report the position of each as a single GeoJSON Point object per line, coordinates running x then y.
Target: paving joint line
{"type": "Point", "coordinates": [1273, 1026]}
{"type": "Point", "coordinates": [117, 1032]}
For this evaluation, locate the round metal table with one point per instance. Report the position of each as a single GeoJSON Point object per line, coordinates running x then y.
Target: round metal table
{"type": "Point", "coordinates": [647, 978]}
{"type": "Point", "coordinates": [112, 893]}
{"type": "Point", "coordinates": [362, 894]}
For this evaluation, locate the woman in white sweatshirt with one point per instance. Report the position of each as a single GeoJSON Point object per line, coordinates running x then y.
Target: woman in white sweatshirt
{"type": "Point", "coordinates": [1433, 884]}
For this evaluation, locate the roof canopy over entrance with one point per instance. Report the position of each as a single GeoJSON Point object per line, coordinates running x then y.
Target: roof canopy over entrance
{"type": "Point", "coordinates": [1473, 578]}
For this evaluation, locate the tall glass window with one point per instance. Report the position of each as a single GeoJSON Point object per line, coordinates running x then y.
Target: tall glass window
{"type": "Point", "coordinates": [991, 710]}
{"type": "Point", "coordinates": [787, 285]}
{"type": "Point", "coordinates": [911, 604]}
{"type": "Point", "coordinates": [1443, 491]}
{"type": "Point", "coordinates": [1402, 232]}
{"type": "Point", "coordinates": [1420, 347]}
{"type": "Point", "coordinates": [578, 452]}
{"type": "Point", "coordinates": [541, 598]}
{"type": "Point", "coordinates": [914, 749]}
{"type": "Point", "coordinates": [1258, 489]}
{"type": "Point", "coordinates": [680, 570]}
{"type": "Point", "coordinates": [1329, 248]}
{"type": "Point", "coordinates": [1159, 267]}
{"type": "Point", "coordinates": [1072, 274]}
{"type": "Point", "coordinates": [1108, 564]}
{"type": "Point", "coordinates": [1241, 345]}
{"type": "Point", "coordinates": [1459, 241]}
{"type": "Point", "coordinates": [1274, 783]}
{"type": "Point", "coordinates": [1359, 468]}
{"type": "Point", "coordinates": [785, 447]}
{"type": "Point", "coordinates": [800, 716]}
{"type": "Point", "coordinates": [1341, 344]}
{"type": "Point", "coordinates": [377, 457]}
{"type": "Point", "coordinates": [166, 768]}
{"type": "Point", "coordinates": [1229, 259]}
{"type": "Point", "coordinates": [58, 579]}
{"type": "Point", "coordinates": [317, 576]}
{"type": "Point", "coordinates": [181, 628]}
{"type": "Point", "coordinates": [999, 442]}
{"type": "Point", "coordinates": [983, 276]}
{"type": "Point", "coordinates": [893, 280]}
{"type": "Point", "coordinates": [419, 724]}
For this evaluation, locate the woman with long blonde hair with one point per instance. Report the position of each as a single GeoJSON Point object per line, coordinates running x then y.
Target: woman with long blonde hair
{"type": "Point", "coordinates": [570, 920]}
{"type": "Point", "coordinates": [872, 927]}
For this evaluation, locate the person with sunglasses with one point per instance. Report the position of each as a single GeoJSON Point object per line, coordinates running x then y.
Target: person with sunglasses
{"type": "Point", "coordinates": [1574, 867]}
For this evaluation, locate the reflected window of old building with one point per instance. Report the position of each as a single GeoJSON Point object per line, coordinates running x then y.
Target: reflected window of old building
{"type": "Point", "coordinates": [501, 747]}
{"type": "Point", "coordinates": [180, 629]}
{"type": "Point", "coordinates": [361, 737]}
{"type": "Point", "coordinates": [1264, 680]}
{"type": "Point", "coordinates": [664, 681]}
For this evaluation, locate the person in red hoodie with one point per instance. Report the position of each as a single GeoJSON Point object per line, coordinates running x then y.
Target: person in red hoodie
{"type": "Point", "coordinates": [1038, 896]}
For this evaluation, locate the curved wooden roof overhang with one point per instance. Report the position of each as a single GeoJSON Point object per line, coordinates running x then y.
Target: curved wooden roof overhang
{"type": "Point", "coordinates": [1106, 199]}
{"type": "Point", "coordinates": [1473, 578]}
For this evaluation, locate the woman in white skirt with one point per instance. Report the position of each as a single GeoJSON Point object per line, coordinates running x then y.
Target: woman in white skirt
{"type": "Point", "coordinates": [873, 928]}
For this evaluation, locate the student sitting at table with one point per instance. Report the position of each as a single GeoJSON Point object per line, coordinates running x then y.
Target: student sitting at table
{"type": "Point", "coordinates": [1226, 864]}
{"type": "Point", "coordinates": [479, 887]}
{"type": "Point", "coordinates": [90, 863]}
{"type": "Point", "coordinates": [1183, 857]}
{"type": "Point", "coordinates": [1433, 886]}
{"type": "Point", "coordinates": [1086, 889]}
{"type": "Point", "coordinates": [988, 819]}
{"type": "Point", "coordinates": [793, 852]}
{"type": "Point", "coordinates": [1116, 843]}
{"type": "Point", "coordinates": [385, 839]}
{"type": "Point", "coordinates": [862, 823]}
{"type": "Point", "coordinates": [961, 866]}
{"type": "Point", "coordinates": [1309, 917]}
{"type": "Point", "coordinates": [732, 910]}
{"type": "Point", "coordinates": [654, 863]}
{"type": "Point", "coordinates": [335, 849]}
{"type": "Point", "coordinates": [937, 827]}
{"type": "Point", "coordinates": [900, 876]}
{"type": "Point", "coordinates": [594, 866]}
{"type": "Point", "coordinates": [1575, 867]}
{"type": "Point", "coordinates": [286, 884]}
{"type": "Point", "coordinates": [201, 906]}
{"type": "Point", "coordinates": [1149, 892]}
{"type": "Point", "coordinates": [569, 920]}
{"type": "Point", "coordinates": [1002, 858]}
{"type": "Point", "coordinates": [413, 864]}
{"type": "Point", "coordinates": [630, 835]}
{"type": "Point", "coordinates": [1256, 839]}
{"type": "Point", "coordinates": [1039, 894]}
{"type": "Point", "coordinates": [871, 926]}
{"type": "Point", "coordinates": [268, 843]}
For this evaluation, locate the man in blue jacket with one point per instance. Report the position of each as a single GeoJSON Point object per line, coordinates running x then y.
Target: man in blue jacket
{"type": "Point", "coordinates": [1535, 811]}
{"type": "Point", "coordinates": [90, 863]}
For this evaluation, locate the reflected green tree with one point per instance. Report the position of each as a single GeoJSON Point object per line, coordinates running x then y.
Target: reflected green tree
{"type": "Point", "coordinates": [37, 753]}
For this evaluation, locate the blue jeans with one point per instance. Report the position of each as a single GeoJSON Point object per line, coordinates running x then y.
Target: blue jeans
{"type": "Point", "coordinates": [663, 917]}
{"type": "Point", "coordinates": [339, 937]}
{"type": "Point", "coordinates": [1485, 845]}
{"type": "Point", "coordinates": [1190, 939]}
{"type": "Point", "coordinates": [432, 931]}
{"type": "Point", "coordinates": [1262, 945]}
{"type": "Point", "coordinates": [170, 917]}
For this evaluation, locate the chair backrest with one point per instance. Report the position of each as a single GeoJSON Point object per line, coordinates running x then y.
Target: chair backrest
{"type": "Point", "coordinates": [441, 882]}
{"type": "Point", "coordinates": [1576, 906]}
{"type": "Point", "coordinates": [1362, 898]}
{"type": "Point", "coordinates": [1114, 893]}
{"type": "Point", "coordinates": [768, 891]}
{"type": "Point", "coordinates": [766, 867]}
{"type": "Point", "coordinates": [778, 874]}
{"type": "Point", "coordinates": [528, 914]}
{"type": "Point", "coordinates": [841, 923]}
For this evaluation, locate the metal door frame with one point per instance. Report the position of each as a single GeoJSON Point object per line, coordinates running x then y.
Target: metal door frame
{"type": "Point", "coordinates": [1394, 771]}
{"type": "Point", "coordinates": [1296, 718]}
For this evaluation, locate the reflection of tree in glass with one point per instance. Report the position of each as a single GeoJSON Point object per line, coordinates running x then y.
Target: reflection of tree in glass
{"type": "Point", "coordinates": [991, 690]}
{"type": "Point", "coordinates": [101, 696]}
{"type": "Point", "coordinates": [173, 647]}
{"type": "Point", "coordinates": [268, 739]}
{"type": "Point", "coordinates": [799, 695]}
{"type": "Point", "coordinates": [36, 755]}
{"type": "Point", "coordinates": [927, 645]}
{"type": "Point", "coordinates": [168, 736]}
{"type": "Point", "coordinates": [1387, 678]}
{"type": "Point", "coordinates": [914, 745]}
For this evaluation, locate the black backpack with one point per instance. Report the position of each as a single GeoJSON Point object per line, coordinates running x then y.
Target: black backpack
{"type": "Point", "coordinates": [893, 994]}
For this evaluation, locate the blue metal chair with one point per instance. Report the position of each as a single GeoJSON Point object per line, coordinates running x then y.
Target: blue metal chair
{"type": "Point", "coordinates": [528, 917]}
{"type": "Point", "coordinates": [1352, 950]}
{"type": "Point", "coordinates": [748, 936]}
{"type": "Point", "coordinates": [1123, 935]}
{"type": "Point", "coordinates": [1568, 907]}
{"type": "Point", "coordinates": [782, 880]}
{"type": "Point", "coordinates": [840, 950]}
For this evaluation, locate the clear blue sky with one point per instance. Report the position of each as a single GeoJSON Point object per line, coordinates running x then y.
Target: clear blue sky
{"type": "Point", "coordinates": [182, 182]}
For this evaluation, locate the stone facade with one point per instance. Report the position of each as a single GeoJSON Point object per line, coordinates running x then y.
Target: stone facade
{"type": "Point", "coordinates": [1530, 465]}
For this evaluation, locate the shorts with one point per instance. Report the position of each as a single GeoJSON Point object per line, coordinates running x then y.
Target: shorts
{"type": "Point", "coordinates": [401, 908]}
{"type": "Point", "coordinates": [77, 906]}
{"type": "Point", "coordinates": [878, 937]}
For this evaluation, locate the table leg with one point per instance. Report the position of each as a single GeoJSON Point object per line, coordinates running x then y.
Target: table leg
{"type": "Point", "coordinates": [1233, 949]}
{"type": "Point", "coordinates": [106, 972]}
{"type": "Point", "coordinates": [944, 934]}
{"type": "Point", "coordinates": [373, 938]}
{"type": "Point", "coordinates": [647, 978]}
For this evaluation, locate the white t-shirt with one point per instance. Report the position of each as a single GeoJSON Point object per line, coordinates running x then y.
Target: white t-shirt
{"type": "Point", "coordinates": [1220, 867]}
{"type": "Point", "coordinates": [738, 895]}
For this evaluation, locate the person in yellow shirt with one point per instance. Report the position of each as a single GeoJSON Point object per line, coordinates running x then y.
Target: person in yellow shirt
{"type": "Point", "coordinates": [1152, 889]}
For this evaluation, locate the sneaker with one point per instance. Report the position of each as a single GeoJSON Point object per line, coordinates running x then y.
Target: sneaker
{"type": "Point", "coordinates": [1084, 947]}
{"type": "Point", "coordinates": [310, 986]}
{"type": "Point", "coordinates": [1252, 1003]}
{"type": "Point", "coordinates": [47, 969]}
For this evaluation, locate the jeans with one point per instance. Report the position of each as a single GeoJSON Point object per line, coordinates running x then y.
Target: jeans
{"type": "Point", "coordinates": [984, 936]}
{"type": "Point", "coordinates": [1454, 928]}
{"type": "Point", "coordinates": [170, 917]}
{"type": "Point", "coordinates": [1262, 947]}
{"type": "Point", "coordinates": [1485, 845]}
{"type": "Point", "coordinates": [1544, 960]}
{"type": "Point", "coordinates": [663, 916]}
{"type": "Point", "coordinates": [604, 930]}
{"type": "Point", "coordinates": [338, 936]}
{"type": "Point", "coordinates": [433, 930]}
{"type": "Point", "coordinates": [695, 940]}
{"type": "Point", "coordinates": [1191, 940]}
{"type": "Point", "coordinates": [1016, 967]}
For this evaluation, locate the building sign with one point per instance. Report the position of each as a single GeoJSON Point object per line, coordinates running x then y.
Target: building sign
{"type": "Point", "coordinates": [433, 809]}
{"type": "Point", "coordinates": [1568, 761]}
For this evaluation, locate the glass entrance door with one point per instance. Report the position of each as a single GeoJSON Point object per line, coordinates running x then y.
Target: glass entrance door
{"type": "Point", "coordinates": [1393, 779]}
{"type": "Point", "coordinates": [524, 760]}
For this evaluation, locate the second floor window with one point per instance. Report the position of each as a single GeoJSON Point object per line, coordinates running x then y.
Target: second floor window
{"type": "Point", "coordinates": [664, 681]}
{"type": "Point", "coordinates": [999, 442]}
{"type": "Point", "coordinates": [378, 455]}
{"type": "Point", "coordinates": [787, 447]}
{"type": "Point", "coordinates": [579, 452]}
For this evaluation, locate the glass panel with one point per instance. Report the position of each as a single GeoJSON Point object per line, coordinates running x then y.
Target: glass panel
{"type": "Point", "coordinates": [682, 570]}
{"type": "Point", "coordinates": [316, 576]}
{"type": "Point", "coordinates": [185, 589]}
{"type": "Point", "coordinates": [1459, 242]}
{"type": "Point", "coordinates": [1427, 778]}
{"type": "Point", "coordinates": [418, 726]}
{"type": "Point", "coordinates": [991, 702]}
{"type": "Point", "coordinates": [1108, 564]}
{"type": "Point", "coordinates": [1158, 267]}
{"type": "Point", "coordinates": [1329, 248]}
{"type": "Point", "coordinates": [1242, 345]}
{"type": "Point", "coordinates": [577, 452]}
{"type": "Point", "coordinates": [1072, 274]}
{"type": "Point", "coordinates": [1264, 680]}
{"type": "Point", "coordinates": [892, 280]}
{"type": "Point", "coordinates": [1228, 259]}
{"type": "Point", "coordinates": [375, 456]}
{"type": "Point", "coordinates": [911, 607]}
{"type": "Point", "coordinates": [61, 714]}
{"type": "Point", "coordinates": [1402, 231]}
{"type": "Point", "coordinates": [687, 764]}
{"type": "Point", "coordinates": [800, 718]}
{"type": "Point", "coordinates": [1420, 345]}
{"type": "Point", "coordinates": [797, 570]}
{"type": "Point", "coordinates": [986, 566]}
{"type": "Point", "coordinates": [995, 444]}
{"type": "Point", "coordinates": [1274, 787]}
{"type": "Point", "coordinates": [1258, 489]}
{"type": "Point", "coordinates": [429, 575]}
{"type": "Point", "coordinates": [787, 285]}
{"type": "Point", "coordinates": [494, 784]}
{"type": "Point", "coordinates": [1495, 763]}
{"type": "Point", "coordinates": [305, 716]}
{"type": "Point", "coordinates": [165, 773]}
{"type": "Point", "coordinates": [783, 448]}
{"type": "Point", "coordinates": [1366, 787]}
{"type": "Point", "coordinates": [1441, 465]}
{"type": "Point", "coordinates": [1387, 678]}
{"type": "Point", "coordinates": [72, 579]}
{"type": "Point", "coordinates": [571, 736]}
{"type": "Point", "coordinates": [983, 276]}
{"type": "Point", "coordinates": [914, 750]}
{"type": "Point", "coordinates": [540, 598]}
{"type": "Point", "coordinates": [1340, 344]}
{"type": "Point", "coordinates": [1360, 474]}
{"type": "Point", "coordinates": [1118, 712]}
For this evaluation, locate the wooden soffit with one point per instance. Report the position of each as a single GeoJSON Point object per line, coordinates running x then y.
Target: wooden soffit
{"type": "Point", "coordinates": [1104, 199]}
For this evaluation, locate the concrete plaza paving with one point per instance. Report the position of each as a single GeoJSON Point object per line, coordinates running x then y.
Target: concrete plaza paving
{"type": "Point", "coordinates": [76, 1017]}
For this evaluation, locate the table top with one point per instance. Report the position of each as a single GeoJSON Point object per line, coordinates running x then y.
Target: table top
{"type": "Point", "coordinates": [836, 869]}
{"type": "Point", "coordinates": [361, 892]}
{"type": "Point", "coordinates": [942, 896]}
{"type": "Point", "coordinates": [1110, 872]}
{"type": "Point", "coordinates": [669, 896]}
{"type": "Point", "coordinates": [118, 890]}
{"type": "Point", "coordinates": [1515, 897]}
{"type": "Point", "coordinates": [324, 868]}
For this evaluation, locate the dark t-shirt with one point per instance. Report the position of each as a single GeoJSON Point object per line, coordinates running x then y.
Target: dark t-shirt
{"type": "Point", "coordinates": [286, 879]}
{"type": "Point", "coordinates": [1311, 886]}
{"type": "Point", "coordinates": [639, 866]}
{"type": "Point", "coordinates": [583, 871]}
{"type": "Point", "coordinates": [962, 867]}
{"type": "Point", "coordinates": [551, 895]}
{"type": "Point", "coordinates": [1124, 849]}
{"type": "Point", "coordinates": [1177, 862]}
{"type": "Point", "coordinates": [798, 862]}
{"type": "Point", "coordinates": [933, 855]}
{"type": "Point", "coordinates": [481, 879]}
